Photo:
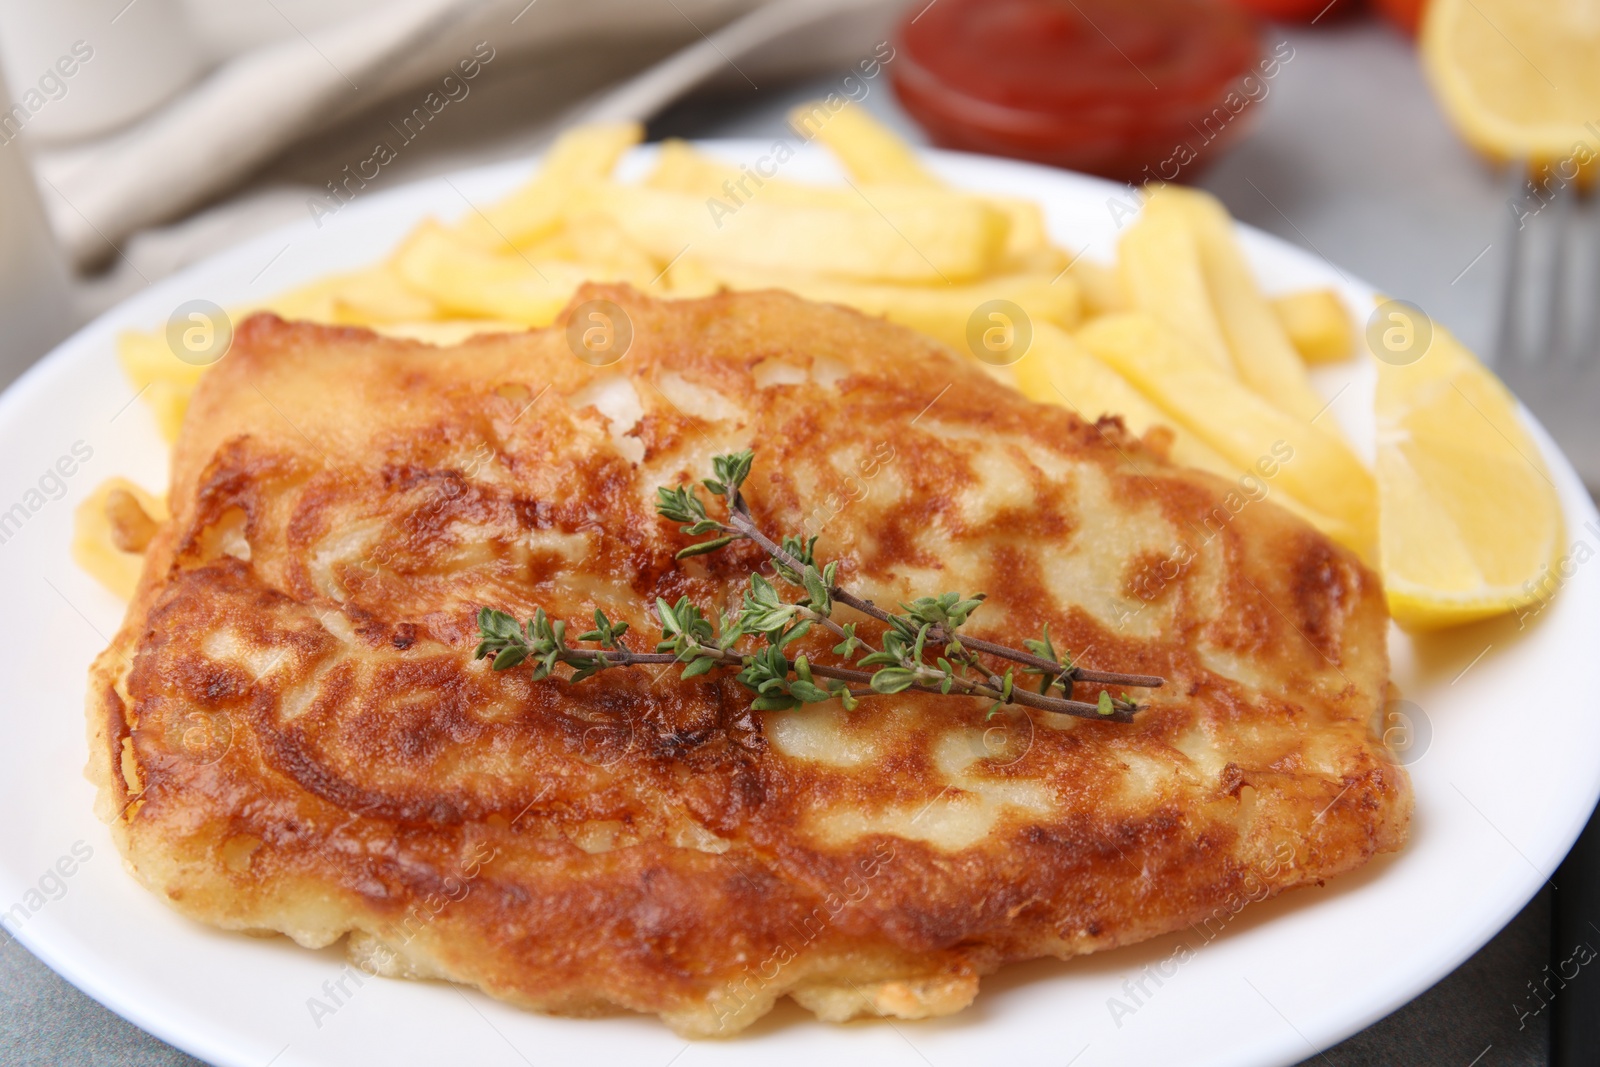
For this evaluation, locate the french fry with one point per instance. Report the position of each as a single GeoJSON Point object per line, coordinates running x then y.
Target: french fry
{"type": "Point", "coordinates": [937, 310]}
{"type": "Point", "coordinates": [1262, 352]}
{"type": "Point", "coordinates": [1318, 324]}
{"type": "Point", "coordinates": [1100, 287]}
{"type": "Point", "coordinates": [362, 298]}
{"type": "Point", "coordinates": [595, 240]}
{"type": "Point", "coordinates": [163, 380]}
{"type": "Point", "coordinates": [580, 158]}
{"type": "Point", "coordinates": [681, 168]}
{"type": "Point", "coordinates": [890, 234]}
{"type": "Point", "coordinates": [448, 333]}
{"type": "Point", "coordinates": [473, 283]}
{"type": "Point", "coordinates": [145, 358]}
{"type": "Point", "coordinates": [873, 154]}
{"type": "Point", "coordinates": [1028, 244]}
{"type": "Point", "coordinates": [1057, 370]}
{"type": "Point", "coordinates": [874, 157]}
{"type": "Point", "coordinates": [312, 302]}
{"type": "Point", "coordinates": [689, 277]}
{"type": "Point", "coordinates": [1163, 276]}
{"type": "Point", "coordinates": [1318, 470]}
{"type": "Point", "coordinates": [865, 147]}
{"type": "Point", "coordinates": [93, 545]}
{"type": "Point", "coordinates": [378, 296]}
{"type": "Point", "coordinates": [168, 402]}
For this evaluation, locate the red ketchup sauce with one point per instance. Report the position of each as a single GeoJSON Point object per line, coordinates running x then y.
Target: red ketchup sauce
{"type": "Point", "coordinates": [1111, 87]}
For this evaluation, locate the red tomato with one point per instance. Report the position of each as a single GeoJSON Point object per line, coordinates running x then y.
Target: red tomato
{"type": "Point", "coordinates": [1407, 14]}
{"type": "Point", "coordinates": [1104, 86]}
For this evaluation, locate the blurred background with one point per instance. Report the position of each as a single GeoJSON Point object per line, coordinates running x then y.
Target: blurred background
{"type": "Point", "coordinates": [141, 136]}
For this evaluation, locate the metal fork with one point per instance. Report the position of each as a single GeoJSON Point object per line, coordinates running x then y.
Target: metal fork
{"type": "Point", "coordinates": [1548, 349]}
{"type": "Point", "coordinates": [1549, 354]}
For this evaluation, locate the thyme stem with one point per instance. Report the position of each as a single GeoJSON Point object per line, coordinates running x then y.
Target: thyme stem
{"type": "Point", "coordinates": [743, 524]}
{"type": "Point", "coordinates": [779, 682]}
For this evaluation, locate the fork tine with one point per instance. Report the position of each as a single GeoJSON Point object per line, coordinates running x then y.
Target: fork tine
{"type": "Point", "coordinates": [1559, 335]}
{"type": "Point", "coordinates": [1586, 276]}
{"type": "Point", "coordinates": [1508, 347]}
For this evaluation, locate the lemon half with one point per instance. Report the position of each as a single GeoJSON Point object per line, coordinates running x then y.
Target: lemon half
{"type": "Point", "coordinates": [1518, 78]}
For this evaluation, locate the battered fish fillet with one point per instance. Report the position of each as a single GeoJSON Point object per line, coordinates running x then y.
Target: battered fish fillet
{"type": "Point", "coordinates": [289, 732]}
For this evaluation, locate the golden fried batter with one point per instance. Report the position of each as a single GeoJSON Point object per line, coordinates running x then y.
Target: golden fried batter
{"type": "Point", "coordinates": [289, 733]}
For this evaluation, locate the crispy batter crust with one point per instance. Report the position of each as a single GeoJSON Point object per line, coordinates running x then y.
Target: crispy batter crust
{"type": "Point", "coordinates": [288, 733]}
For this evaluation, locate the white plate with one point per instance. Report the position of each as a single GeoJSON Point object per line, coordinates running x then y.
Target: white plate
{"type": "Point", "coordinates": [1509, 774]}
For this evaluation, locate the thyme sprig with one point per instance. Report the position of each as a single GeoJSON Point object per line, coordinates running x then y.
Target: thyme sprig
{"type": "Point", "coordinates": [920, 648]}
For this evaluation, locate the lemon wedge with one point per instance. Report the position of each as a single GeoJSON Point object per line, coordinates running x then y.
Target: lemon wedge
{"type": "Point", "coordinates": [1468, 517]}
{"type": "Point", "coordinates": [1518, 78]}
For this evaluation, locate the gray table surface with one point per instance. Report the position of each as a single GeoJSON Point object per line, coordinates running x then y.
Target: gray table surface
{"type": "Point", "coordinates": [1348, 157]}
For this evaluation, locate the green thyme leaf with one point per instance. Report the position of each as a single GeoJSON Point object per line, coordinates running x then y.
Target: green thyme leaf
{"type": "Point", "coordinates": [893, 680]}
{"type": "Point", "coordinates": [1045, 649]}
{"type": "Point", "coordinates": [851, 642]}
{"type": "Point", "coordinates": [681, 504]}
{"type": "Point", "coordinates": [699, 667]}
{"type": "Point", "coordinates": [797, 630]}
{"type": "Point", "coordinates": [706, 547]}
{"type": "Point", "coordinates": [817, 590]}
{"type": "Point", "coordinates": [809, 693]}
{"type": "Point", "coordinates": [509, 657]}
{"type": "Point", "coordinates": [731, 470]}
{"type": "Point", "coordinates": [602, 628]}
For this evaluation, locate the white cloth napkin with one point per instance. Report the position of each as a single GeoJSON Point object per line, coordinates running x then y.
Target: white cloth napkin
{"type": "Point", "coordinates": [245, 112]}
